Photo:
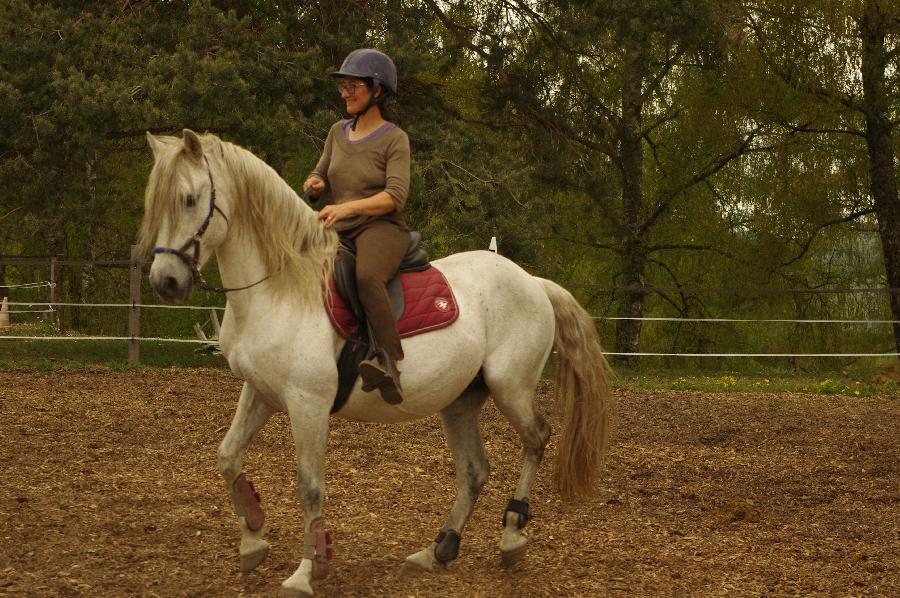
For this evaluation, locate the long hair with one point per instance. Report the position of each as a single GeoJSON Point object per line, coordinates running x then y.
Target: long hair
{"type": "Point", "coordinates": [582, 391]}
{"type": "Point", "coordinates": [296, 249]}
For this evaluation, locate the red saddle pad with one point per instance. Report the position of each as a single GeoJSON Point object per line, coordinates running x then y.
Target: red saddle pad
{"type": "Point", "coordinates": [429, 304]}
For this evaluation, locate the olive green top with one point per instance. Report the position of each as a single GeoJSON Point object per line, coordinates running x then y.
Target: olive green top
{"type": "Point", "coordinates": [359, 169]}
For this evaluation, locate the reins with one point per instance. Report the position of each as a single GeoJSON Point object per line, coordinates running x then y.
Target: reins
{"type": "Point", "coordinates": [193, 261]}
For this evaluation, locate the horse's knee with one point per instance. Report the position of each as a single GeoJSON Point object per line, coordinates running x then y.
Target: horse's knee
{"type": "Point", "coordinates": [228, 460]}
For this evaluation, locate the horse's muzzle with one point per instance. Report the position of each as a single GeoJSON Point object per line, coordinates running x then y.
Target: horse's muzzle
{"type": "Point", "coordinates": [173, 285]}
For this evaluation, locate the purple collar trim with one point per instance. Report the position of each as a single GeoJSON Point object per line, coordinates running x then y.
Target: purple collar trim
{"type": "Point", "coordinates": [345, 124]}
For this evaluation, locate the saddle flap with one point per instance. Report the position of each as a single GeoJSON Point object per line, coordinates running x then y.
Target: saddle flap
{"type": "Point", "coordinates": [415, 260]}
{"type": "Point", "coordinates": [428, 298]}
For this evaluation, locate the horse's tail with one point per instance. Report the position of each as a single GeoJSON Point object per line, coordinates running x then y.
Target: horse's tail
{"type": "Point", "coordinates": [583, 392]}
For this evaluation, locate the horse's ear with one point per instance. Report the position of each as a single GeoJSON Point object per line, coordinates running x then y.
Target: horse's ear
{"type": "Point", "coordinates": [156, 146]}
{"type": "Point", "coordinates": [192, 144]}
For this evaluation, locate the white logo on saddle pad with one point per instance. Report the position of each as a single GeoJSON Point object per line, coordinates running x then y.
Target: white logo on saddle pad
{"type": "Point", "coordinates": [441, 304]}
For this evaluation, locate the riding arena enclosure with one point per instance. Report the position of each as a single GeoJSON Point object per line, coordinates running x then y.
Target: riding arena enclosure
{"type": "Point", "coordinates": [133, 314]}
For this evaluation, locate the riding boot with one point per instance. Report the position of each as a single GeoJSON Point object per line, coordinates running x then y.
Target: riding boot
{"type": "Point", "coordinates": [381, 372]}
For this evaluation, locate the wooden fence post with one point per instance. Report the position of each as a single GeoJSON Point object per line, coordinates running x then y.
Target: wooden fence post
{"type": "Point", "coordinates": [134, 313]}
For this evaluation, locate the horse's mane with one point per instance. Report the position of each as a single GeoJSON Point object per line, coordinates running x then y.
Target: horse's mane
{"type": "Point", "coordinates": [296, 249]}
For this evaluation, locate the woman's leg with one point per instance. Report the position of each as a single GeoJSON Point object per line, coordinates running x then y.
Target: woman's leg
{"type": "Point", "coordinates": [379, 250]}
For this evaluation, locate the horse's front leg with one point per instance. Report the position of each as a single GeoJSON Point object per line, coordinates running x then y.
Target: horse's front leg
{"type": "Point", "coordinates": [249, 417]}
{"type": "Point", "coordinates": [309, 427]}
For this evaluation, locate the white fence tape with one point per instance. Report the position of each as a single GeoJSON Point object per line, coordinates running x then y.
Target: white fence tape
{"type": "Point", "coordinates": [213, 342]}
{"type": "Point", "coordinates": [608, 318]}
{"type": "Point", "coordinates": [51, 306]}
{"type": "Point", "coordinates": [111, 338]}
{"type": "Point", "coordinates": [29, 285]}
{"type": "Point", "coordinates": [128, 305]}
{"type": "Point", "coordinates": [756, 354]}
{"type": "Point", "coordinates": [750, 320]}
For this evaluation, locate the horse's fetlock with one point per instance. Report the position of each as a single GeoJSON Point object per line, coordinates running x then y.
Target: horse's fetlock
{"type": "Point", "coordinates": [521, 511]}
{"type": "Point", "coordinates": [447, 547]}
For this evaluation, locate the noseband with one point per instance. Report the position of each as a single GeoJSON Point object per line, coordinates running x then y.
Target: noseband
{"type": "Point", "coordinates": [193, 261]}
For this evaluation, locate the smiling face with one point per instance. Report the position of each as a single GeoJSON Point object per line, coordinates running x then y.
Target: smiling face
{"type": "Point", "coordinates": [355, 93]}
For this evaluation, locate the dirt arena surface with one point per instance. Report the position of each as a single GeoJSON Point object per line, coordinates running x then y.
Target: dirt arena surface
{"type": "Point", "coordinates": [111, 489]}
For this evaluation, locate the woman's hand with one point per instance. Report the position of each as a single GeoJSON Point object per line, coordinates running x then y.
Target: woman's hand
{"type": "Point", "coordinates": [334, 212]}
{"type": "Point", "coordinates": [316, 184]}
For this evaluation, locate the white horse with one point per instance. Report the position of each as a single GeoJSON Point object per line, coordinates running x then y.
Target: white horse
{"type": "Point", "coordinates": [208, 196]}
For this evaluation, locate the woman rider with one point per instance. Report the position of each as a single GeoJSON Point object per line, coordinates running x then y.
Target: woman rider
{"type": "Point", "coordinates": [364, 170]}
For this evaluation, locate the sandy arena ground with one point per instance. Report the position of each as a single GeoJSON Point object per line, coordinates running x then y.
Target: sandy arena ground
{"type": "Point", "coordinates": [111, 489]}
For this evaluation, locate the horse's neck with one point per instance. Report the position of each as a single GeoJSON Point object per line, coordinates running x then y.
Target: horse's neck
{"type": "Point", "coordinates": [241, 263]}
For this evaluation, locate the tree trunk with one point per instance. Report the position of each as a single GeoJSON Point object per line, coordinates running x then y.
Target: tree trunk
{"type": "Point", "coordinates": [631, 163]}
{"type": "Point", "coordinates": [879, 131]}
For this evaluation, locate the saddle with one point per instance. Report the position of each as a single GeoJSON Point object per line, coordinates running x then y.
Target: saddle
{"type": "Point", "coordinates": [415, 260]}
{"type": "Point", "coordinates": [421, 300]}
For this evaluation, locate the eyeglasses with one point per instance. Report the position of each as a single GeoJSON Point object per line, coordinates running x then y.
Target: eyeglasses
{"type": "Point", "coordinates": [349, 87]}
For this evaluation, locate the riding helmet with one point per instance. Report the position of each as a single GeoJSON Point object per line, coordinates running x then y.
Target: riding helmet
{"type": "Point", "coordinates": [367, 63]}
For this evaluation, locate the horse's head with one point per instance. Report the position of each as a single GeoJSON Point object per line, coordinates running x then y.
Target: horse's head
{"type": "Point", "coordinates": [183, 218]}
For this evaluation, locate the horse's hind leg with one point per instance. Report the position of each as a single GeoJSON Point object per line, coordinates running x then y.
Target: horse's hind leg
{"type": "Point", "coordinates": [516, 402]}
{"type": "Point", "coordinates": [460, 422]}
{"type": "Point", "coordinates": [249, 417]}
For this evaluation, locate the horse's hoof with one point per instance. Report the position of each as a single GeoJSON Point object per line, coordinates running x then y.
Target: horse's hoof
{"type": "Point", "coordinates": [298, 585]}
{"type": "Point", "coordinates": [411, 569]}
{"type": "Point", "coordinates": [511, 558]}
{"type": "Point", "coordinates": [293, 593]}
{"type": "Point", "coordinates": [251, 560]}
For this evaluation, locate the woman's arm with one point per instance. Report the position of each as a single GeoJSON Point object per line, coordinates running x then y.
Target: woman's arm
{"type": "Point", "coordinates": [318, 178]}
{"type": "Point", "coordinates": [376, 205]}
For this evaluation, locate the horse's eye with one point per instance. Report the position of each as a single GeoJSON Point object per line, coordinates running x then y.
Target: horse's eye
{"type": "Point", "coordinates": [189, 201]}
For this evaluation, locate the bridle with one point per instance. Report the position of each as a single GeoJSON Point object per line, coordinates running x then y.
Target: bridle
{"type": "Point", "coordinates": [193, 261]}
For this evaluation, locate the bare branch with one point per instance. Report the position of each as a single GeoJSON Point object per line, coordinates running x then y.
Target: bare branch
{"type": "Point", "coordinates": [496, 126]}
{"type": "Point", "coordinates": [806, 128]}
{"type": "Point", "coordinates": [681, 308]}
{"type": "Point", "coordinates": [565, 132]}
{"type": "Point", "coordinates": [704, 173]}
{"type": "Point", "coordinates": [459, 31]}
{"type": "Point", "coordinates": [657, 80]}
{"type": "Point", "coordinates": [661, 121]}
{"type": "Point", "coordinates": [10, 213]}
{"type": "Point", "coordinates": [804, 248]}
{"type": "Point", "coordinates": [604, 246]}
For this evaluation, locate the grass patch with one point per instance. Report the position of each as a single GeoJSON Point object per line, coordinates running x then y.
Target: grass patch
{"type": "Point", "coordinates": [736, 383]}
{"type": "Point", "coordinates": [78, 354]}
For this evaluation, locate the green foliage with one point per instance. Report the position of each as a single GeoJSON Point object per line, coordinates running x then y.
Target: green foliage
{"type": "Point", "coordinates": [744, 157]}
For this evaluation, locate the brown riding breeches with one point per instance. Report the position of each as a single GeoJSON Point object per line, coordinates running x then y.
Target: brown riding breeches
{"type": "Point", "coordinates": [380, 247]}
